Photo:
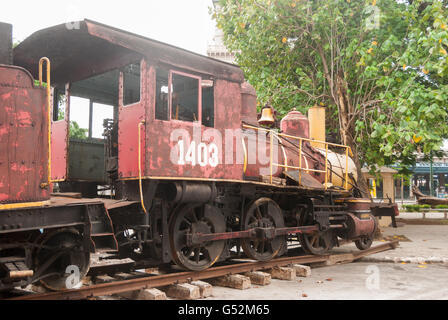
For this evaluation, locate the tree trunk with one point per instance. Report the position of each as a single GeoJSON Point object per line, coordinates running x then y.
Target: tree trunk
{"type": "Point", "coordinates": [347, 130]}
{"type": "Point", "coordinates": [339, 93]}
{"type": "Point", "coordinates": [362, 182]}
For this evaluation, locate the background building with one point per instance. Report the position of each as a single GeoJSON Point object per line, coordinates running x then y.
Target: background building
{"type": "Point", "coordinates": [421, 177]}
{"type": "Point", "coordinates": [389, 184]}
{"type": "Point", "coordinates": [216, 48]}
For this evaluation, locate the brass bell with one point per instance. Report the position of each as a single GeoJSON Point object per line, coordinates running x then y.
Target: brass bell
{"type": "Point", "coordinates": [267, 117]}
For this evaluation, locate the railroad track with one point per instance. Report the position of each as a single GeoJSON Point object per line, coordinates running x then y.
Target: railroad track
{"type": "Point", "coordinates": [154, 281]}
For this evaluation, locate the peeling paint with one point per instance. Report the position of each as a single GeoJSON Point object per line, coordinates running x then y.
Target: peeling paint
{"type": "Point", "coordinates": [20, 168]}
{"type": "Point", "coordinates": [4, 131]}
{"type": "Point", "coordinates": [24, 118]}
{"type": "Point", "coordinates": [23, 138]}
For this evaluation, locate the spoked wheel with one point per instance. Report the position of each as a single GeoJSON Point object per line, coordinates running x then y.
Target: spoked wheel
{"type": "Point", "coordinates": [263, 213]}
{"type": "Point", "coordinates": [190, 219]}
{"type": "Point", "coordinates": [61, 256]}
{"type": "Point", "coordinates": [364, 243]}
{"type": "Point", "coordinates": [318, 243]}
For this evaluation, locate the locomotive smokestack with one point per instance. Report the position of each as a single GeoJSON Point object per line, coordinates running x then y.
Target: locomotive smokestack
{"type": "Point", "coordinates": [316, 116]}
{"type": "Point", "coordinates": [5, 43]}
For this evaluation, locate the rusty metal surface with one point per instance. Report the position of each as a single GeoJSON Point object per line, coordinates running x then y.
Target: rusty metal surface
{"type": "Point", "coordinates": [64, 201]}
{"type": "Point", "coordinates": [311, 157]}
{"type": "Point", "coordinates": [307, 180]}
{"type": "Point", "coordinates": [359, 205]}
{"type": "Point", "coordinates": [23, 137]}
{"type": "Point", "coordinates": [74, 56]}
{"type": "Point", "coordinates": [165, 53]}
{"type": "Point", "coordinates": [159, 143]}
{"type": "Point", "coordinates": [167, 279]}
{"type": "Point", "coordinates": [385, 209]}
{"type": "Point", "coordinates": [198, 238]}
{"type": "Point", "coordinates": [129, 118]}
{"type": "Point", "coordinates": [360, 227]}
{"type": "Point", "coordinates": [248, 104]}
{"type": "Point", "coordinates": [69, 49]}
{"type": "Point", "coordinates": [258, 144]}
{"type": "Point", "coordinates": [55, 215]}
{"type": "Point", "coordinates": [295, 124]}
{"type": "Point", "coordinates": [115, 204]}
{"type": "Point", "coordinates": [59, 145]}
{"type": "Point", "coordinates": [60, 200]}
{"type": "Point", "coordinates": [86, 160]}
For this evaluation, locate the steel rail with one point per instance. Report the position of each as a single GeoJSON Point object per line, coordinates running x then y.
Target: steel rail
{"type": "Point", "coordinates": [181, 277]}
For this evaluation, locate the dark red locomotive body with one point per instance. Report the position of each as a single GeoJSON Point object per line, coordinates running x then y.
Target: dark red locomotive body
{"type": "Point", "coordinates": [23, 138]}
{"type": "Point", "coordinates": [174, 167]}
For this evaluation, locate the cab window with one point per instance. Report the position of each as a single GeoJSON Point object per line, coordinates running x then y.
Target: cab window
{"type": "Point", "coordinates": [184, 98]}
{"type": "Point", "coordinates": [162, 94]}
{"type": "Point", "coordinates": [131, 84]}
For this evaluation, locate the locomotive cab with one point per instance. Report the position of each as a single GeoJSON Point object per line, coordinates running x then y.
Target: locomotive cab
{"type": "Point", "coordinates": [87, 114]}
{"type": "Point", "coordinates": [129, 93]}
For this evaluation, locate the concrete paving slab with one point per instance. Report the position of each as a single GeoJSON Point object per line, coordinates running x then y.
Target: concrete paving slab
{"type": "Point", "coordinates": [428, 243]}
{"type": "Point", "coordinates": [434, 215]}
{"type": "Point", "coordinates": [361, 280]}
{"type": "Point", "coordinates": [410, 215]}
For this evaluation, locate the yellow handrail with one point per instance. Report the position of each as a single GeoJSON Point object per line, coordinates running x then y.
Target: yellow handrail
{"type": "Point", "coordinates": [300, 168]}
{"type": "Point", "coordinates": [41, 62]}
{"type": "Point", "coordinates": [245, 155]}
{"type": "Point", "coordinates": [294, 137]}
{"type": "Point", "coordinates": [142, 123]}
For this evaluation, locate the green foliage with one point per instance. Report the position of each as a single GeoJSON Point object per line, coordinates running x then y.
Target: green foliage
{"type": "Point", "coordinates": [441, 206]}
{"type": "Point", "coordinates": [76, 132]}
{"type": "Point", "coordinates": [407, 178]}
{"type": "Point", "coordinates": [61, 114]}
{"type": "Point", "coordinates": [408, 208]}
{"type": "Point", "coordinates": [37, 84]}
{"type": "Point", "coordinates": [415, 207]}
{"type": "Point", "coordinates": [386, 87]}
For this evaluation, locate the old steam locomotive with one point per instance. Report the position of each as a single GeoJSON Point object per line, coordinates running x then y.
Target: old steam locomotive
{"type": "Point", "coordinates": [182, 171]}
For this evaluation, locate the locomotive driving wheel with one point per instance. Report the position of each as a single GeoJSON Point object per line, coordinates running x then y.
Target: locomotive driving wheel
{"type": "Point", "coordinates": [61, 255]}
{"type": "Point", "coordinates": [263, 213]}
{"type": "Point", "coordinates": [191, 219]}
{"type": "Point", "coordinates": [318, 243]}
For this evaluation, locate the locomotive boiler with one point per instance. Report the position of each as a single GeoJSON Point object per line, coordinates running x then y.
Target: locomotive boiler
{"type": "Point", "coordinates": [176, 166]}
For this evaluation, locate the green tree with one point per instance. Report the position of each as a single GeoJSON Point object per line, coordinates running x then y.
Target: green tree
{"type": "Point", "coordinates": [381, 68]}
{"type": "Point", "coordinates": [75, 131]}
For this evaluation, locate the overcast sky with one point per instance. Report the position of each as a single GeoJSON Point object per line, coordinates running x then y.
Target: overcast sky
{"type": "Point", "coordinates": [183, 23]}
